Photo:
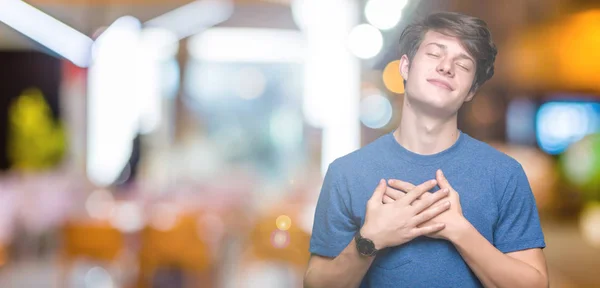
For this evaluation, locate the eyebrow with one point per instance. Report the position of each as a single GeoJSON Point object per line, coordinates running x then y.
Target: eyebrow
{"type": "Point", "coordinates": [444, 47]}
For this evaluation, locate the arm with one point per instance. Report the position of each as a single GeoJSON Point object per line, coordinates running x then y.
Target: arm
{"type": "Point", "coordinates": [525, 268]}
{"type": "Point", "coordinates": [345, 270]}
{"type": "Point", "coordinates": [515, 258]}
{"type": "Point", "coordinates": [335, 261]}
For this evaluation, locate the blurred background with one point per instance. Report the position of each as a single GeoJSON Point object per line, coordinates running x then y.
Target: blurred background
{"type": "Point", "coordinates": [154, 143]}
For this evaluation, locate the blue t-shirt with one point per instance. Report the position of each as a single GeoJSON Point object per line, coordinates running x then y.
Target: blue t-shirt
{"type": "Point", "coordinates": [494, 193]}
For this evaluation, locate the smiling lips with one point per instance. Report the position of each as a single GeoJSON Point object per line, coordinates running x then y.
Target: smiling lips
{"type": "Point", "coordinates": [441, 83]}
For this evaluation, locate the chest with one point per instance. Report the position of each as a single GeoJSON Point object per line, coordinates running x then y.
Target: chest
{"type": "Point", "coordinates": [478, 196]}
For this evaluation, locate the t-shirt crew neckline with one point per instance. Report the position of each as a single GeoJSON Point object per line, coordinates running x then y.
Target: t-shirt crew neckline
{"type": "Point", "coordinates": [425, 160]}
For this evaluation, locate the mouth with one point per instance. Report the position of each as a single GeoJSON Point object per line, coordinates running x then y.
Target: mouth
{"type": "Point", "coordinates": [441, 83]}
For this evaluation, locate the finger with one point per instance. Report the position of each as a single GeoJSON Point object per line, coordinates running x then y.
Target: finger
{"type": "Point", "coordinates": [417, 192]}
{"type": "Point", "coordinates": [420, 231]}
{"type": "Point", "coordinates": [423, 204]}
{"type": "Point", "coordinates": [430, 213]}
{"type": "Point", "coordinates": [401, 185]}
{"type": "Point", "coordinates": [387, 199]}
{"type": "Point", "coordinates": [439, 175]}
{"type": "Point", "coordinates": [439, 203]}
{"type": "Point", "coordinates": [379, 191]}
{"type": "Point", "coordinates": [424, 196]}
{"type": "Point", "coordinates": [393, 193]}
{"type": "Point", "coordinates": [404, 187]}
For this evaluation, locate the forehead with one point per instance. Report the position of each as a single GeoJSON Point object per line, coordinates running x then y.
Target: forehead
{"type": "Point", "coordinates": [452, 43]}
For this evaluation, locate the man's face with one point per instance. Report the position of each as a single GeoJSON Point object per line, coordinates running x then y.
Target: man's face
{"type": "Point", "coordinates": [440, 76]}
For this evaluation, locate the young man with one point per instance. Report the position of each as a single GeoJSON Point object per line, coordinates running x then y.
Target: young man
{"type": "Point", "coordinates": [425, 236]}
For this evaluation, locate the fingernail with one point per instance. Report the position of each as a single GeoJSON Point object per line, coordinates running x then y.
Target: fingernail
{"type": "Point", "coordinates": [445, 190]}
{"type": "Point", "coordinates": [441, 172]}
{"type": "Point", "coordinates": [432, 182]}
{"type": "Point", "coordinates": [391, 181]}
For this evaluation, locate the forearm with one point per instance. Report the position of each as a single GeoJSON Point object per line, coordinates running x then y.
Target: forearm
{"type": "Point", "coordinates": [345, 270]}
{"type": "Point", "coordinates": [492, 267]}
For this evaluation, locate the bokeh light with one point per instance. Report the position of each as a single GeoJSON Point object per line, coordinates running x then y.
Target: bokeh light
{"type": "Point", "coordinates": [158, 43]}
{"type": "Point", "coordinates": [300, 10]}
{"type": "Point", "coordinates": [171, 78]}
{"type": "Point", "coordinates": [283, 222]}
{"type": "Point", "coordinates": [100, 204]}
{"type": "Point", "coordinates": [392, 79]}
{"type": "Point", "coordinates": [286, 128]}
{"type": "Point", "coordinates": [98, 277]}
{"type": "Point", "coordinates": [589, 223]}
{"type": "Point", "coordinates": [113, 100]}
{"type": "Point", "coordinates": [365, 41]}
{"type": "Point", "coordinates": [250, 83]}
{"type": "Point", "coordinates": [247, 45]}
{"type": "Point", "coordinates": [384, 14]}
{"type": "Point", "coordinates": [164, 216]}
{"type": "Point", "coordinates": [127, 217]}
{"type": "Point", "coordinates": [375, 111]}
{"type": "Point", "coordinates": [280, 239]}
{"type": "Point", "coordinates": [520, 121]}
{"type": "Point", "coordinates": [561, 123]}
{"type": "Point", "coordinates": [576, 66]}
{"type": "Point", "coordinates": [581, 164]}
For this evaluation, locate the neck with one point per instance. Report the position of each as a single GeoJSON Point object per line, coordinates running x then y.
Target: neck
{"type": "Point", "coordinates": [424, 134]}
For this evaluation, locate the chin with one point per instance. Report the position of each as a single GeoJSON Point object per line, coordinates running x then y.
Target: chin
{"type": "Point", "coordinates": [434, 98]}
{"type": "Point", "coordinates": [434, 103]}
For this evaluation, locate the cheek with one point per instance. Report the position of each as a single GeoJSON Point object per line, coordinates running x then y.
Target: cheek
{"type": "Point", "coordinates": [421, 65]}
{"type": "Point", "coordinates": [466, 78]}
{"type": "Point", "coordinates": [420, 74]}
{"type": "Point", "coordinates": [465, 83]}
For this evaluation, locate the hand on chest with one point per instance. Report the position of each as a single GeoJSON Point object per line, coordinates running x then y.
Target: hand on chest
{"type": "Point", "coordinates": [471, 195]}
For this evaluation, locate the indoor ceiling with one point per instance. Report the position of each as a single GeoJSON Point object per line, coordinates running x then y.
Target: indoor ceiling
{"type": "Point", "coordinates": [88, 18]}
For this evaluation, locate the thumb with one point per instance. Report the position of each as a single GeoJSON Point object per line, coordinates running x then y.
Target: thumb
{"type": "Point", "coordinates": [441, 179]}
{"type": "Point", "coordinates": [379, 192]}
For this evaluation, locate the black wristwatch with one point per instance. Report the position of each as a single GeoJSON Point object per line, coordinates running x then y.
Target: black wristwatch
{"type": "Point", "coordinates": [365, 246]}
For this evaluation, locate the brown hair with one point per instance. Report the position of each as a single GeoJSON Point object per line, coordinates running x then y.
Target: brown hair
{"type": "Point", "coordinates": [472, 32]}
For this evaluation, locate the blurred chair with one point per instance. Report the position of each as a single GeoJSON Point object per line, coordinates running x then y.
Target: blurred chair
{"type": "Point", "coordinates": [178, 247]}
{"type": "Point", "coordinates": [96, 241]}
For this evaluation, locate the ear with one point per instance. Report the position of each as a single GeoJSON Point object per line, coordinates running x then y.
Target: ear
{"type": "Point", "coordinates": [404, 65]}
{"type": "Point", "coordinates": [470, 95]}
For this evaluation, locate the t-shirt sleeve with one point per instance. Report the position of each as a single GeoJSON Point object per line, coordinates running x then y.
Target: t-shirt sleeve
{"type": "Point", "coordinates": [518, 227]}
{"type": "Point", "coordinates": [333, 227]}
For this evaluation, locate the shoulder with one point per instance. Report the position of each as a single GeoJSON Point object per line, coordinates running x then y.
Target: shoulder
{"type": "Point", "coordinates": [506, 170]}
{"type": "Point", "coordinates": [488, 155]}
{"type": "Point", "coordinates": [362, 158]}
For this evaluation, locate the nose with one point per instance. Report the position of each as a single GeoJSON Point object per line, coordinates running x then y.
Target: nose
{"type": "Point", "coordinates": [445, 68]}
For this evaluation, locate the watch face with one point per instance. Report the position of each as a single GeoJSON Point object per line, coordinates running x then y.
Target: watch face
{"type": "Point", "coordinates": [366, 247]}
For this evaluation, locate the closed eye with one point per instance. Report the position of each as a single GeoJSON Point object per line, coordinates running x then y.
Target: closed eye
{"type": "Point", "coordinates": [433, 55]}
{"type": "Point", "coordinates": [463, 67]}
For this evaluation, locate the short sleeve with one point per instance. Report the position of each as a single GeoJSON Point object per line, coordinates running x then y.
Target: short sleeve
{"type": "Point", "coordinates": [518, 226]}
{"type": "Point", "coordinates": [333, 227]}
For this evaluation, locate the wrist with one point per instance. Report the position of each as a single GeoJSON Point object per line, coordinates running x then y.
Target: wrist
{"type": "Point", "coordinates": [460, 230]}
{"type": "Point", "coordinates": [367, 233]}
